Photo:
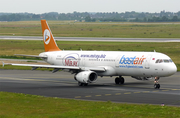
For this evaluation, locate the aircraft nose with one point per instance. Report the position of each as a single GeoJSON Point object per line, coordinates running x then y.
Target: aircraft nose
{"type": "Point", "coordinates": [172, 69]}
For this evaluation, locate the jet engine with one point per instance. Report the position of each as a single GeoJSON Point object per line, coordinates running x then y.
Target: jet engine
{"type": "Point", "coordinates": [86, 76]}
{"type": "Point", "coordinates": [142, 78]}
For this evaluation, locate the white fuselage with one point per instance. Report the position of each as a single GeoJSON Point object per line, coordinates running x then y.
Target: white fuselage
{"type": "Point", "coordinates": [116, 63]}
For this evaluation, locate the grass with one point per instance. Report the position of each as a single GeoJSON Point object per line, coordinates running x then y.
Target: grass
{"type": "Point", "coordinates": [8, 48]}
{"type": "Point", "coordinates": [83, 29]}
{"type": "Point", "coordinates": [25, 105]}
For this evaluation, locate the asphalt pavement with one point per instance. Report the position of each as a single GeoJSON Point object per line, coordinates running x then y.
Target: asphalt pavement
{"type": "Point", "coordinates": [62, 84]}
{"type": "Point", "coordinates": [93, 39]}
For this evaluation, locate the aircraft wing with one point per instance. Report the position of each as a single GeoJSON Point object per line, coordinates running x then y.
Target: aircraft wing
{"type": "Point", "coordinates": [34, 66]}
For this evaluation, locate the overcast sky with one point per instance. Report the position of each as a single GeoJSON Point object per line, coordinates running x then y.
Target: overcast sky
{"type": "Point", "coordinates": [69, 6]}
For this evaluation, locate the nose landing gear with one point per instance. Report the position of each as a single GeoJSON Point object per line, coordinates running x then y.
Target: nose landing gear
{"type": "Point", "coordinates": [156, 84]}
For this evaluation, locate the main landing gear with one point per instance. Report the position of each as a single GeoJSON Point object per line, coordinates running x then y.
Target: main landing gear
{"type": "Point", "coordinates": [156, 84]}
{"type": "Point", "coordinates": [82, 84]}
{"type": "Point", "coordinates": [119, 80]}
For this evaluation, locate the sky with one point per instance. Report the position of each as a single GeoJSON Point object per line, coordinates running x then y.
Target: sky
{"type": "Point", "coordinates": [69, 6]}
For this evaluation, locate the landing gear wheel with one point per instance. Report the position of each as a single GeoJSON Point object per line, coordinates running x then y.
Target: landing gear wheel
{"type": "Point", "coordinates": [82, 84]}
{"type": "Point", "coordinates": [75, 77]}
{"type": "Point", "coordinates": [156, 86]}
{"type": "Point", "coordinates": [119, 80]}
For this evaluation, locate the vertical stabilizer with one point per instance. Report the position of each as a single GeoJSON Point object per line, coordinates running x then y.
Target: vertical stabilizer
{"type": "Point", "coordinates": [49, 42]}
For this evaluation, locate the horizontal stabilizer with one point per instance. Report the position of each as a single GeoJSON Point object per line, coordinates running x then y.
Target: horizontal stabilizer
{"type": "Point", "coordinates": [35, 56]}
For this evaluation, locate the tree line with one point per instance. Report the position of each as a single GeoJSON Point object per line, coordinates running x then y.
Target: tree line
{"type": "Point", "coordinates": [95, 17]}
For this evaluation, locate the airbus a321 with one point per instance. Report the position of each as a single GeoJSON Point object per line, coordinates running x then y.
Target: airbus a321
{"type": "Point", "coordinates": [88, 65]}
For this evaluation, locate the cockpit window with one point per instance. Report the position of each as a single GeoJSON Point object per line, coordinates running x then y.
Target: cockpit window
{"type": "Point", "coordinates": [157, 61]}
{"type": "Point", "coordinates": [163, 61]}
{"type": "Point", "coordinates": [166, 61]}
{"type": "Point", "coordinates": [160, 61]}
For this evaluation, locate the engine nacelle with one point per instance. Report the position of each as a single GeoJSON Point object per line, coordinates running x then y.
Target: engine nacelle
{"type": "Point", "coordinates": [86, 76]}
{"type": "Point", "coordinates": [143, 78]}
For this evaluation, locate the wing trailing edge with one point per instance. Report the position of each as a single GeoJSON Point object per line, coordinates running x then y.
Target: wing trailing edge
{"type": "Point", "coordinates": [35, 66]}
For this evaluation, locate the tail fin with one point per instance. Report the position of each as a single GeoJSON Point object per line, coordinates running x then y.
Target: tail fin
{"type": "Point", "coordinates": [49, 42]}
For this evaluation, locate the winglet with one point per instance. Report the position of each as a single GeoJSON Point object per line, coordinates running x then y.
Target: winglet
{"type": "Point", "coordinates": [3, 64]}
{"type": "Point", "coordinates": [49, 42]}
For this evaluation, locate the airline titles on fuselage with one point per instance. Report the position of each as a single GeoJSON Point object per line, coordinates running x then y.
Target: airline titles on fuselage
{"type": "Point", "coordinates": [131, 62]}
{"type": "Point", "coordinates": [73, 59]}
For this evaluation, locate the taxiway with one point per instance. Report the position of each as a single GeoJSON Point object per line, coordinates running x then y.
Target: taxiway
{"type": "Point", "coordinates": [93, 39]}
{"type": "Point", "coordinates": [62, 84]}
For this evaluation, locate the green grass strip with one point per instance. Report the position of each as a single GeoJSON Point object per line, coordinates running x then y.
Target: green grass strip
{"type": "Point", "coordinates": [84, 29]}
{"type": "Point", "coordinates": [24, 105]}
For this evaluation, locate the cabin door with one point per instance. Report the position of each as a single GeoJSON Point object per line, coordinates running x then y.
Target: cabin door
{"type": "Point", "coordinates": [117, 61]}
{"type": "Point", "coordinates": [147, 62]}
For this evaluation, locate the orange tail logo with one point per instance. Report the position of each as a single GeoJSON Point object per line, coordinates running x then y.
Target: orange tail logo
{"type": "Point", "coordinates": [49, 42]}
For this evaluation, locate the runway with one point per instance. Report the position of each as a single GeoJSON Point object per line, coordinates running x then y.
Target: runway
{"type": "Point", "coordinates": [62, 84]}
{"type": "Point", "coordinates": [93, 39]}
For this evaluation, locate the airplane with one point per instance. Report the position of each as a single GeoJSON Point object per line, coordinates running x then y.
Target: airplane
{"type": "Point", "coordinates": [88, 65]}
